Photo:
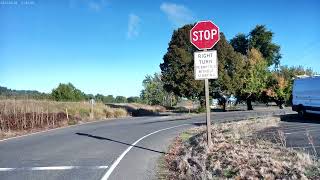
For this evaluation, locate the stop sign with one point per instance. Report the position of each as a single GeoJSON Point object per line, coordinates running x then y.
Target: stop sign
{"type": "Point", "coordinates": [204, 35]}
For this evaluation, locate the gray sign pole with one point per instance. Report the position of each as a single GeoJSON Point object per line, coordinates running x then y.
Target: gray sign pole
{"type": "Point", "coordinates": [206, 86]}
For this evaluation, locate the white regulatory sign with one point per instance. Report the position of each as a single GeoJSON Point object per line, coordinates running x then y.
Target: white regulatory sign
{"type": "Point", "coordinates": [205, 65]}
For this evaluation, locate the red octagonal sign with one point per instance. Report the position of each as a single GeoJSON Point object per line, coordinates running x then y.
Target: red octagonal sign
{"type": "Point", "coordinates": [204, 35]}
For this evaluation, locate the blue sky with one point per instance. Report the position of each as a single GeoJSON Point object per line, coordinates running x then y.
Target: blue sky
{"type": "Point", "coordinates": [108, 46]}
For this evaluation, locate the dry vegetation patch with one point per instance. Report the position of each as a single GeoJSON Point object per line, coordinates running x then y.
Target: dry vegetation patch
{"type": "Point", "coordinates": [137, 109]}
{"type": "Point", "coordinates": [237, 153]}
{"type": "Point", "coordinates": [22, 116]}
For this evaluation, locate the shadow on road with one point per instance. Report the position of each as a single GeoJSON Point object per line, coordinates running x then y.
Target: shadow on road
{"type": "Point", "coordinates": [199, 123]}
{"type": "Point", "coordinates": [313, 119]}
{"type": "Point", "coordinates": [120, 142]}
{"type": "Point", "coordinates": [227, 110]}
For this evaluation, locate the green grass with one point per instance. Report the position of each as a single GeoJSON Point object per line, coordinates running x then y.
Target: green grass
{"type": "Point", "coordinates": [72, 122]}
{"type": "Point", "coordinates": [185, 136]}
{"type": "Point", "coordinates": [313, 172]}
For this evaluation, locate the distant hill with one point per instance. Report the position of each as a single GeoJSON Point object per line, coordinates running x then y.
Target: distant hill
{"type": "Point", "coordinates": [10, 93]}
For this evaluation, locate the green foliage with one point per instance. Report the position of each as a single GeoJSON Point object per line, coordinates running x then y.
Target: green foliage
{"type": "Point", "coordinates": [231, 69]}
{"type": "Point", "coordinates": [89, 96]}
{"type": "Point", "coordinates": [104, 99]}
{"type": "Point", "coordinates": [121, 99]}
{"type": "Point", "coordinates": [243, 68]}
{"type": "Point", "coordinates": [280, 82]}
{"type": "Point", "coordinates": [99, 97]}
{"type": "Point", "coordinates": [67, 92]}
{"type": "Point", "coordinates": [240, 43]}
{"type": "Point", "coordinates": [22, 94]}
{"type": "Point", "coordinates": [256, 73]}
{"type": "Point", "coordinates": [253, 77]}
{"type": "Point", "coordinates": [134, 99]}
{"type": "Point", "coordinates": [109, 99]}
{"type": "Point", "coordinates": [200, 109]}
{"type": "Point", "coordinates": [185, 136]}
{"type": "Point", "coordinates": [261, 39]}
{"type": "Point", "coordinates": [154, 92]}
{"type": "Point", "coordinates": [64, 92]}
{"type": "Point", "coordinates": [177, 66]}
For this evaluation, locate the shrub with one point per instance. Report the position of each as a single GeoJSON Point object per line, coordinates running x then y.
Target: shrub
{"type": "Point", "coordinates": [120, 113]}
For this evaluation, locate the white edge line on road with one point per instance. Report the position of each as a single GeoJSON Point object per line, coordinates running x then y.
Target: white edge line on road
{"type": "Point", "coordinates": [115, 163]}
{"type": "Point", "coordinates": [52, 168]}
{"type": "Point", "coordinates": [7, 169]}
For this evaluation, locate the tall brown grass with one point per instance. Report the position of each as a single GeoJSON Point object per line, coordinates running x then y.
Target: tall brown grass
{"type": "Point", "coordinates": [17, 115]}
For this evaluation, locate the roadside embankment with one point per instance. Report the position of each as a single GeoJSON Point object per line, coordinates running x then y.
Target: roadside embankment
{"type": "Point", "coordinates": [136, 109]}
{"type": "Point", "coordinates": [237, 153]}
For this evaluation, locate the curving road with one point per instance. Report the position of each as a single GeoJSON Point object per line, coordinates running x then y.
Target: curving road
{"type": "Point", "coordinates": [125, 148]}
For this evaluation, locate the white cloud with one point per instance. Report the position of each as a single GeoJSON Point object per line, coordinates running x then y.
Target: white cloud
{"type": "Point", "coordinates": [177, 14]}
{"type": "Point", "coordinates": [93, 5]}
{"type": "Point", "coordinates": [133, 26]}
{"type": "Point", "coordinates": [96, 5]}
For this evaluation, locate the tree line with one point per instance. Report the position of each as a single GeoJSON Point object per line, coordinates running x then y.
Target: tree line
{"type": "Point", "coordinates": [248, 65]}
{"type": "Point", "coordinates": [65, 92]}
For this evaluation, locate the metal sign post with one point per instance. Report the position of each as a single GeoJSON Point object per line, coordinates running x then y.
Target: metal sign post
{"type": "Point", "coordinates": [205, 68]}
{"type": "Point", "coordinates": [206, 86]}
{"type": "Point", "coordinates": [204, 35]}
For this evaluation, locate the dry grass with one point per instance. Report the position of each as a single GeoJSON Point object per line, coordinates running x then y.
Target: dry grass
{"type": "Point", "coordinates": [154, 108]}
{"type": "Point", "coordinates": [237, 153]}
{"type": "Point", "coordinates": [136, 109]}
{"type": "Point", "coordinates": [17, 116]}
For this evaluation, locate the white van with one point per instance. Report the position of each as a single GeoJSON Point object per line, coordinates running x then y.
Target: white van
{"type": "Point", "coordinates": [306, 95]}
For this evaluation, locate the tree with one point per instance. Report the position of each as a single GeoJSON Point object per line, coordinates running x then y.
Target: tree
{"type": "Point", "coordinates": [280, 82]}
{"type": "Point", "coordinates": [99, 97]}
{"type": "Point", "coordinates": [121, 99]}
{"type": "Point", "coordinates": [133, 99]}
{"type": "Point", "coordinates": [177, 67]}
{"type": "Point", "coordinates": [89, 96]}
{"type": "Point", "coordinates": [230, 70]}
{"type": "Point", "coordinates": [278, 89]}
{"type": "Point", "coordinates": [261, 39]}
{"type": "Point", "coordinates": [22, 94]}
{"type": "Point", "coordinates": [254, 79]}
{"type": "Point", "coordinates": [109, 99]}
{"type": "Point", "coordinates": [67, 92]}
{"type": "Point", "coordinates": [154, 93]}
{"type": "Point", "coordinates": [240, 43]}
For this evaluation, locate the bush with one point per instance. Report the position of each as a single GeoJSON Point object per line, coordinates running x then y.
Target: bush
{"type": "Point", "coordinates": [201, 109]}
{"type": "Point", "coordinates": [120, 113]}
{"type": "Point", "coordinates": [109, 112]}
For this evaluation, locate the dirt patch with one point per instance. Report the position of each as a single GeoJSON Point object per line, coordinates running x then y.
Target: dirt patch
{"type": "Point", "coordinates": [237, 153]}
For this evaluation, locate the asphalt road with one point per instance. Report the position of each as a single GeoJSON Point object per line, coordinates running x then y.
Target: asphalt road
{"type": "Point", "coordinates": [116, 149]}
{"type": "Point", "coordinates": [301, 134]}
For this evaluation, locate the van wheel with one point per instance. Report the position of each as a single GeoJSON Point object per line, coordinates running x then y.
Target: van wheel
{"type": "Point", "coordinates": [302, 113]}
